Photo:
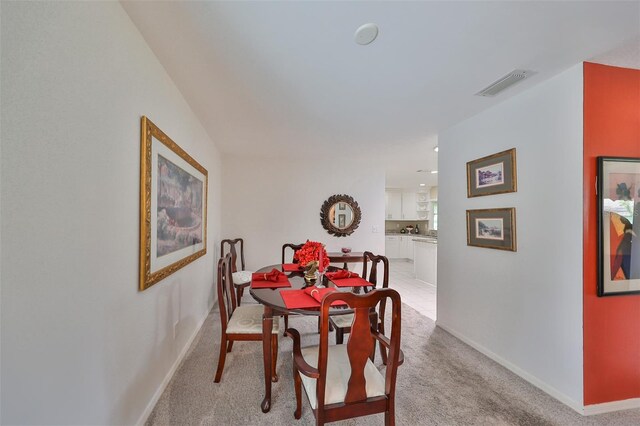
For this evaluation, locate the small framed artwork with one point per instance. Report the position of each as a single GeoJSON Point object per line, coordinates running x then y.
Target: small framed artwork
{"type": "Point", "coordinates": [173, 206]}
{"type": "Point", "coordinates": [342, 206]}
{"type": "Point", "coordinates": [495, 174]}
{"type": "Point", "coordinates": [492, 228]}
{"type": "Point", "coordinates": [618, 226]}
{"type": "Point", "coordinates": [342, 220]}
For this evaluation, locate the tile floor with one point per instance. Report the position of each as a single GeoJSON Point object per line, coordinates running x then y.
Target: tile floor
{"type": "Point", "coordinates": [420, 295]}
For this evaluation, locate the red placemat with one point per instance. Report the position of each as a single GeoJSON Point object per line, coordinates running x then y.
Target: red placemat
{"type": "Point", "coordinates": [351, 282]}
{"type": "Point", "coordinates": [283, 281]}
{"type": "Point", "coordinates": [298, 299]}
{"type": "Point", "coordinates": [291, 267]}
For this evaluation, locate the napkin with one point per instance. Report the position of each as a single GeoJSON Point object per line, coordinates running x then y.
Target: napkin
{"type": "Point", "coordinates": [318, 293]}
{"type": "Point", "coordinates": [302, 299]}
{"type": "Point", "coordinates": [274, 276]}
{"type": "Point", "coordinates": [341, 274]}
{"type": "Point", "coordinates": [291, 267]}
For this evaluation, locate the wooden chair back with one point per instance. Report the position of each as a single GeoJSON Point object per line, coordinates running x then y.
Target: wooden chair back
{"type": "Point", "coordinates": [370, 266]}
{"type": "Point", "coordinates": [294, 247]}
{"type": "Point", "coordinates": [360, 346]}
{"type": "Point", "coordinates": [234, 252]}
{"type": "Point", "coordinates": [226, 294]}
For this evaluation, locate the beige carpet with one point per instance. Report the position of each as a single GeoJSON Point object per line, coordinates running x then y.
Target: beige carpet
{"type": "Point", "coordinates": [442, 382]}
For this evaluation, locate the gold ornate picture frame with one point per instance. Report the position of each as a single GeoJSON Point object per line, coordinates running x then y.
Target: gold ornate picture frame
{"type": "Point", "coordinates": [173, 206]}
{"type": "Point", "coordinates": [492, 228]}
{"type": "Point", "coordinates": [494, 174]}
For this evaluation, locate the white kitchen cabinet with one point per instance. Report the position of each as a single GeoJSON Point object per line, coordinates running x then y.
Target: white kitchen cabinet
{"type": "Point", "coordinates": [392, 246]}
{"type": "Point", "coordinates": [409, 210]}
{"type": "Point", "coordinates": [393, 205]}
{"type": "Point", "coordinates": [426, 261]}
{"type": "Point", "coordinates": [407, 247]}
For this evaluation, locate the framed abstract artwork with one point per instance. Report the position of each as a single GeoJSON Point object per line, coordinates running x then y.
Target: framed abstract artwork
{"type": "Point", "coordinates": [495, 174]}
{"type": "Point", "coordinates": [618, 192]}
{"type": "Point", "coordinates": [173, 206]}
{"type": "Point", "coordinates": [492, 228]}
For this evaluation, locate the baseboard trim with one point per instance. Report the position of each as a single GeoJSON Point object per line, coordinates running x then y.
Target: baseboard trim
{"type": "Point", "coordinates": [154, 400]}
{"type": "Point", "coordinates": [576, 406]}
{"type": "Point", "coordinates": [608, 407]}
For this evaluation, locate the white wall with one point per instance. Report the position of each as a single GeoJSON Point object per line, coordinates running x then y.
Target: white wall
{"type": "Point", "coordinates": [523, 308]}
{"type": "Point", "coordinates": [269, 202]}
{"type": "Point", "coordinates": [80, 344]}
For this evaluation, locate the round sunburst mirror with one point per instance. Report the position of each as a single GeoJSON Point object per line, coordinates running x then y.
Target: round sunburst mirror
{"type": "Point", "coordinates": [340, 215]}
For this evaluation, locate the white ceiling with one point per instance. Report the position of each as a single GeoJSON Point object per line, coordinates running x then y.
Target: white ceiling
{"type": "Point", "coordinates": [287, 79]}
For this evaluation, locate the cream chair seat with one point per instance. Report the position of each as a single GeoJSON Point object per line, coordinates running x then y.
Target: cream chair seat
{"type": "Point", "coordinates": [248, 320]}
{"type": "Point", "coordinates": [241, 277]}
{"type": "Point", "coordinates": [342, 321]}
{"type": "Point", "coordinates": [338, 373]}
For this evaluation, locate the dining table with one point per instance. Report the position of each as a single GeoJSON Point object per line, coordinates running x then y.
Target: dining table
{"type": "Point", "coordinates": [350, 257]}
{"type": "Point", "coordinates": [274, 304]}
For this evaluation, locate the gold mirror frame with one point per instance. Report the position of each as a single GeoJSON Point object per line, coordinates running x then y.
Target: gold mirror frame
{"type": "Point", "coordinates": [325, 216]}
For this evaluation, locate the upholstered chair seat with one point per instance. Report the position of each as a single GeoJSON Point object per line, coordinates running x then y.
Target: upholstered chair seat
{"type": "Point", "coordinates": [241, 277]}
{"type": "Point", "coordinates": [342, 321]}
{"type": "Point", "coordinates": [248, 320]}
{"type": "Point", "coordinates": [338, 373]}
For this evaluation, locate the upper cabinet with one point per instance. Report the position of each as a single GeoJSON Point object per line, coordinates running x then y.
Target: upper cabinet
{"type": "Point", "coordinates": [406, 205]}
{"type": "Point", "coordinates": [409, 210]}
{"type": "Point", "coordinates": [393, 205]}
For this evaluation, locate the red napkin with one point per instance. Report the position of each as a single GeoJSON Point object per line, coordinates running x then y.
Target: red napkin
{"type": "Point", "coordinates": [273, 279]}
{"type": "Point", "coordinates": [274, 276]}
{"type": "Point", "coordinates": [343, 278]}
{"type": "Point", "coordinates": [341, 274]}
{"type": "Point", "coordinates": [302, 299]}
{"type": "Point", "coordinates": [291, 267]}
{"type": "Point", "coordinates": [318, 293]}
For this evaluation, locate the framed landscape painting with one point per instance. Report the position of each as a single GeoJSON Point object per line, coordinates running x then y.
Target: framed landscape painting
{"type": "Point", "coordinates": [618, 226]}
{"type": "Point", "coordinates": [495, 174]}
{"type": "Point", "coordinates": [173, 206]}
{"type": "Point", "coordinates": [492, 228]}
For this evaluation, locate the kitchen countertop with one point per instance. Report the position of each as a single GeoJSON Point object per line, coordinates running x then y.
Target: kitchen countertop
{"type": "Point", "coordinates": [417, 237]}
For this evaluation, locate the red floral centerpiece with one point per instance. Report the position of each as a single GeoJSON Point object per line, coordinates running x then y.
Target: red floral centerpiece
{"type": "Point", "coordinates": [312, 256]}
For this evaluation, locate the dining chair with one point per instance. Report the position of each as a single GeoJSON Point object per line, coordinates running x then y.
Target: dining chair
{"type": "Point", "coordinates": [239, 322]}
{"type": "Point", "coordinates": [342, 323]}
{"type": "Point", "coordinates": [341, 381]}
{"type": "Point", "coordinates": [241, 278]}
{"type": "Point", "coordinates": [294, 247]}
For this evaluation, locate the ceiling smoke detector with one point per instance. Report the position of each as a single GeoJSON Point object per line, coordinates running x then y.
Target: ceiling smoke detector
{"type": "Point", "coordinates": [504, 82]}
{"type": "Point", "coordinates": [366, 34]}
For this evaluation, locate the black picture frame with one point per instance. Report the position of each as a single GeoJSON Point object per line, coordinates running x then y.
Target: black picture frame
{"type": "Point", "coordinates": [618, 193]}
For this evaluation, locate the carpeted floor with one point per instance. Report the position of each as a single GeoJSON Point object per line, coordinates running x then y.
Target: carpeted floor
{"type": "Point", "coordinates": [442, 382]}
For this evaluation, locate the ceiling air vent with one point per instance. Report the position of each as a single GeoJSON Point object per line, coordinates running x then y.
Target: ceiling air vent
{"type": "Point", "coordinates": [504, 82]}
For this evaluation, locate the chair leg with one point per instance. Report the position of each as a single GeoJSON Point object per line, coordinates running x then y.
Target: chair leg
{"type": "Point", "coordinates": [230, 346]}
{"type": "Point", "coordinates": [339, 335]}
{"type": "Point", "coordinates": [297, 385]}
{"type": "Point", "coordinates": [390, 414]}
{"type": "Point", "coordinates": [221, 358]}
{"type": "Point", "coordinates": [274, 357]}
{"type": "Point", "coordinates": [239, 293]}
{"type": "Point", "coordinates": [286, 324]}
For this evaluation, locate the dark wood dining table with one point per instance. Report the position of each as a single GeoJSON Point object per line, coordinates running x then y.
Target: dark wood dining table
{"type": "Point", "coordinates": [351, 257]}
{"type": "Point", "coordinates": [273, 303]}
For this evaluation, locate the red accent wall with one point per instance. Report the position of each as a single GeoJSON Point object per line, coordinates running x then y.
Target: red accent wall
{"type": "Point", "coordinates": [611, 324]}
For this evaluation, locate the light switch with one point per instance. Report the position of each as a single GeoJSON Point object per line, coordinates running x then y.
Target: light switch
{"type": "Point", "coordinates": [374, 229]}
